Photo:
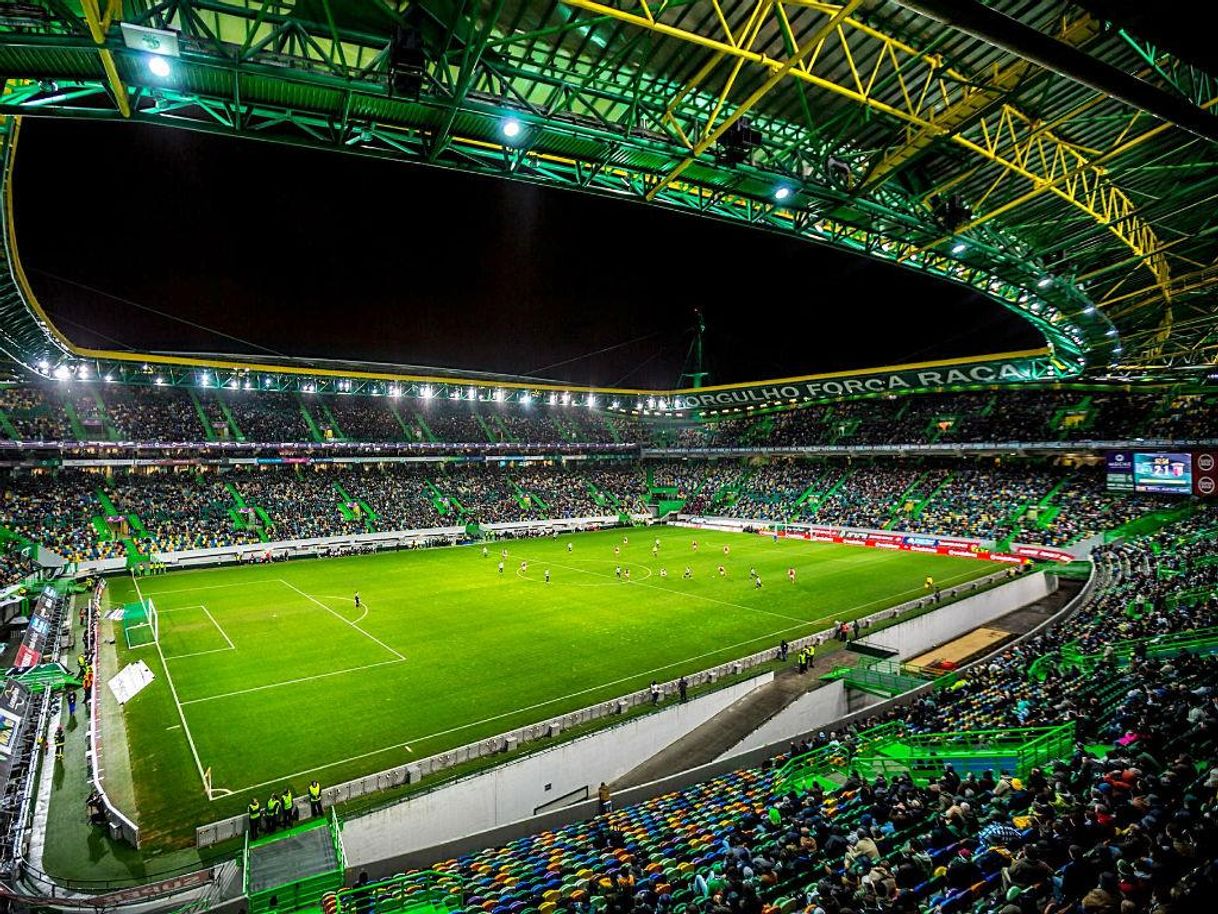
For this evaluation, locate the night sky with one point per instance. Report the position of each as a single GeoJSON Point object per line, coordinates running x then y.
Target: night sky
{"type": "Point", "coordinates": [309, 253]}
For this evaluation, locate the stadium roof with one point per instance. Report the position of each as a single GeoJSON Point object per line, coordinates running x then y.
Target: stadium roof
{"type": "Point", "coordinates": [1062, 165]}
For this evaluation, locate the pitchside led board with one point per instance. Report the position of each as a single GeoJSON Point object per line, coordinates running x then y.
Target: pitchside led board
{"type": "Point", "coordinates": [1163, 472]}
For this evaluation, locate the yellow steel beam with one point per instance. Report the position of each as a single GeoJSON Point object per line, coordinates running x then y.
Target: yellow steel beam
{"type": "Point", "coordinates": [711, 135]}
{"type": "Point", "coordinates": [1009, 139]}
{"type": "Point", "coordinates": [969, 104]}
{"type": "Point", "coordinates": [97, 28]}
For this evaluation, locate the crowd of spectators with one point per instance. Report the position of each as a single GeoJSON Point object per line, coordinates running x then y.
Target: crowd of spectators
{"type": "Point", "coordinates": [366, 419]}
{"type": "Point", "coordinates": [1126, 822]}
{"type": "Point", "coordinates": [268, 416]}
{"type": "Point", "coordinates": [15, 564]}
{"type": "Point", "coordinates": [153, 414]}
{"type": "Point", "coordinates": [179, 511]}
{"type": "Point", "coordinates": [871, 496]}
{"type": "Point", "coordinates": [56, 510]}
{"type": "Point", "coordinates": [301, 503]}
{"type": "Point", "coordinates": [33, 414]}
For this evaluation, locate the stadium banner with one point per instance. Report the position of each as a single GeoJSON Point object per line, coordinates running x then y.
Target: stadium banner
{"type": "Point", "coordinates": [898, 379]}
{"type": "Point", "coordinates": [38, 636]}
{"type": "Point", "coordinates": [874, 539]}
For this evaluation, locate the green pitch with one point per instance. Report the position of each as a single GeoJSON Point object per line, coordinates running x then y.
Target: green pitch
{"type": "Point", "coordinates": [270, 674]}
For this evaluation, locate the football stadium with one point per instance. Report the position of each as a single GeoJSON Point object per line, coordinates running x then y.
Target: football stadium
{"type": "Point", "coordinates": [608, 457]}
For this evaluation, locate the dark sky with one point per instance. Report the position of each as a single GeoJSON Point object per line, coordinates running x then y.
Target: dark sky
{"type": "Point", "coordinates": [318, 254]}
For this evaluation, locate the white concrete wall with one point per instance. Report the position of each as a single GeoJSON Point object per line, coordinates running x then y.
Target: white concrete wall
{"type": "Point", "coordinates": [511, 792]}
{"type": "Point", "coordinates": [827, 704]}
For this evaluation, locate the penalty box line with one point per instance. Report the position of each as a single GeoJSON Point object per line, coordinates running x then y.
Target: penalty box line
{"type": "Point", "coordinates": [344, 619]}
{"type": "Point", "coordinates": [190, 740]}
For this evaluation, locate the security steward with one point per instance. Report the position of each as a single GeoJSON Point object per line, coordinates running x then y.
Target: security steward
{"type": "Point", "coordinates": [274, 811]}
{"type": "Point", "coordinates": [254, 811]}
{"type": "Point", "coordinates": [314, 798]}
{"type": "Point", "coordinates": [289, 811]}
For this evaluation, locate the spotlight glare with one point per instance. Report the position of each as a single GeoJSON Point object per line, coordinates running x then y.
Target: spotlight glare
{"type": "Point", "coordinates": [959, 247]}
{"type": "Point", "coordinates": [158, 65]}
{"type": "Point", "coordinates": [1045, 281]}
{"type": "Point", "coordinates": [511, 128]}
{"type": "Point", "coordinates": [782, 193]}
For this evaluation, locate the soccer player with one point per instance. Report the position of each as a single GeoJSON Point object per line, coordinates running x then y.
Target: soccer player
{"type": "Point", "coordinates": [625, 541]}
{"type": "Point", "coordinates": [688, 573]}
{"type": "Point", "coordinates": [547, 575]}
{"type": "Point", "coordinates": [663, 572]}
{"type": "Point", "coordinates": [501, 566]}
{"type": "Point", "coordinates": [752, 572]}
{"type": "Point", "coordinates": [617, 550]}
{"type": "Point", "coordinates": [485, 553]}
{"type": "Point", "coordinates": [524, 566]}
{"type": "Point", "coordinates": [626, 574]}
{"type": "Point", "coordinates": [791, 574]}
{"type": "Point", "coordinates": [618, 572]}
{"type": "Point", "coordinates": [727, 549]}
{"type": "Point", "coordinates": [657, 542]}
{"type": "Point", "coordinates": [357, 600]}
{"type": "Point", "coordinates": [930, 582]}
{"type": "Point", "coordinates": [655, 551]}
{"type": "Point", "coordinates": [722, 572]}
{"type": "Point", "coordinates": [757, 581]}
{"type": "Point", "coordinates": [503, 554]}
{"type": "Point", "coordinates": [570, 546]}
{"type": "Point", "coordinates": [694, 545]}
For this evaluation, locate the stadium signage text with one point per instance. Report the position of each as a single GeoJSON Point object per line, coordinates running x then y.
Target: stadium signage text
{"type": "Point", "coordinates": [1005, 372]}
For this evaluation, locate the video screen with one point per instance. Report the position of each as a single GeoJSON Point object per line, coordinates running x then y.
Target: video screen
{"type": "Point", "coordinates": [1162, 473]}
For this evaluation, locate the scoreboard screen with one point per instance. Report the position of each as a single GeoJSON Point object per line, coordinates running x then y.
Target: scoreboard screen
{"type": "Point", "coordinates": [1163, 473]}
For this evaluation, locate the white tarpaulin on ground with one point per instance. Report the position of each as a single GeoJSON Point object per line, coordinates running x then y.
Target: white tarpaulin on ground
{"type": "Point", "coordinates": [127, 684]}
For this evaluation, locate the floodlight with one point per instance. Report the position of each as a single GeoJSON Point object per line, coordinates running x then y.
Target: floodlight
{"type": "Point", "coordinates": [1045, 281]}
{"type": "Point", "coordinates": [499, 396]}
{"type": "Point", "coordinates": [82, 371]}
{"type": "Point", "coordinates": [511, 128]}
{"type": "Point", "coordinates": [959, 247]}
{"type": "Point", "coordinates": [525, 398]}
{"type": "Point", "coordinates": [158, 66]}
{"type": "Point", "coordinates": [44, 365]}
{"type": "Point", "coordinates": [591, 402]}
{"type": "Point", "coordinates": [1112, 331]}
{"type": "Point", "coordinates": [62, 372]}
{"type": "Point", "coordinates": [553, 399]}
{"type": "Point", "coordinates": [427, 393]}
{"type": "Point", "coordinates": [159, 381]}
{"type": "Point", "coordinates": [1090, 309]}
{"type": "Point", "coordinates": [781, 193]}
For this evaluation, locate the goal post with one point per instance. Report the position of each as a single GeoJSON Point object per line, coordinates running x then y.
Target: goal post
{"type": "Point", "coordinates": [141, 624]}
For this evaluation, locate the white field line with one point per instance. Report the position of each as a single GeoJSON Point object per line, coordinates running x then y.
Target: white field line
{"type": "Point", "coordinates": [214, 650]}
{"type": "Point", "coordinates": [223, 633]}
{"type": "Point", "coordinates": [542, 704]}
{"type": "Point", "coordinates": [174, 692]}
{"type": "Point", "coordinates": [158, 593]}
{"type": "Point", "coordinates": [288, 682]}
{"type": "Point", "coordinates": [342, 618]}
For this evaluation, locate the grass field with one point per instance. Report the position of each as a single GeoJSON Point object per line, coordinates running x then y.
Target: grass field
{"type": "Point", "coordinates": [269, 675]}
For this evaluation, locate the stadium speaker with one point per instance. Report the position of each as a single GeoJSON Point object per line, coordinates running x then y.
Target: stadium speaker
{"type": "Point", "coordinates": [738, 142]}
{"type": "Point", "coordinates": [407, 62]}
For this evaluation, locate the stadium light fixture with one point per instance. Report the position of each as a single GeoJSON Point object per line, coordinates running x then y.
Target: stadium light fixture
{"type": "Point", "coordinates": [525, 398]}
{"type": "Point", "coordinates": [1045, 281]}
{"type": "Point", "coordinates": [511, 128]}
{"type": "Point", "coordinates": [427, 393]}
{"type": "Point", "coordinates": [1112, 331]}
{"type": "Point", "coordinates": [62, 372]}
{"type": "Point", "coordinates": [205, 378]}
{"type": "Point", "coordinates": [1090, 309]}
{"type": "Point", "coordinates": [959, 247]}
{"type": "Point", "coordinates": [616, 404]}
{"type": "Point", "coordinates": [158, 66]}
{"type": "Point", "coordinates": [158, 381]}
{"type": "Point", "coordinates": [110, 379]}
{"type": "Point", "coordinates": [553, 399]}
{"type": "Point", "coordinates": [782, 193]}
{"type": "Point", "coordinates": [82, 372]}
{"type": "Point", "coordinates": [499, 396]}
{"type": "Point", "coordinates": [267, 382]}
{"type": "Point", "coordinates": [591, 401]}
{"type": "Point", "coordinates": [566, 398]}
{"type": "Point", "coordinates": [44, 365]}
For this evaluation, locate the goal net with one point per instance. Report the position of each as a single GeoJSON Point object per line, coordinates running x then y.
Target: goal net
{"type": "Point", "coordinates": [140, 624]}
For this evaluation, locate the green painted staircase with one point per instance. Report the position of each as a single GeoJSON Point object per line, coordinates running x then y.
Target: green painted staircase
{"type": "Point", "coordinates": [209, 433]}
{"type": "Point", "coordinates": [424, 427]}
{"type": "Point", "coordinates": [78, 427]}
{"type": "Point", "coordinates": [112, 432]}
{"type": "Point", "coordinates": [231, 420]}
{"type": "Point", "coordinates": [310, 422]}
{"type": "Point", "coordinates": [134, 556]}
